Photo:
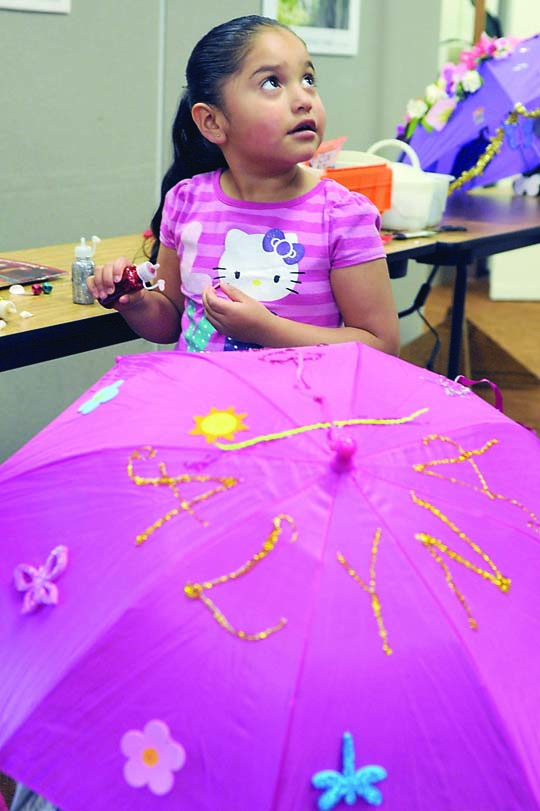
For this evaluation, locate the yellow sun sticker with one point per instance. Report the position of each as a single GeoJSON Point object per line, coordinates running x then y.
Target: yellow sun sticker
{"type": "Point", "coordinates": [219, 424]}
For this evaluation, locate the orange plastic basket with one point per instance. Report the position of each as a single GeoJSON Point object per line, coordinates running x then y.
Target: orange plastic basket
{"type": "Point", "coordinates": [373, 181]}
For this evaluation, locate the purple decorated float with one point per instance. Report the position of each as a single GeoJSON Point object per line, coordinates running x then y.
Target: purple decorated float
{"type": "Point", "coordinates": [480, 120]}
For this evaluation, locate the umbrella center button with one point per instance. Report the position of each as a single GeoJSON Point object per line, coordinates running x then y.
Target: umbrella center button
{"type": "Point", "coordinates": [344, 450]}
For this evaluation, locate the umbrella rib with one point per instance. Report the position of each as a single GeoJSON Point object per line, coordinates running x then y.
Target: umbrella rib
{"type": "Point", "coordinates": [73, 457]}
{"type": "Point", "coordinates": [296, 690]}
{"type": "Point", "coordinates": [258, 391]}
{"type": "Point", "coordinates": [532, 523]}
{"type": "Point", "coordinates": [327, 424]}
{"type": "Point", "coordinates": [452, 623]}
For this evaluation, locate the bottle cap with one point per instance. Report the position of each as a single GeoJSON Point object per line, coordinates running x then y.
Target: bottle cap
{"type": "Point", "coordinates": [83, 250]}
{"type": "Point", "coordinates": [147, 273]}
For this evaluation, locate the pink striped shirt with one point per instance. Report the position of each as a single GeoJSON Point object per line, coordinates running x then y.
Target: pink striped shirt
{"type": "Point", "coordinates": [279, 253]}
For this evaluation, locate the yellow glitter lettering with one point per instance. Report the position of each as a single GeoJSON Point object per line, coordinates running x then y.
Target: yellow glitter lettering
{"type": "Point", "coordinates": [165, 480]}
{"type": "Point", "coordinates": [492, 573]}
{"type": "Point", "coordinates": [481, 486]}
{"type": "Point", "coordinates": [196, 591]}
{"type": "Point", "coordinates": [371, 589]}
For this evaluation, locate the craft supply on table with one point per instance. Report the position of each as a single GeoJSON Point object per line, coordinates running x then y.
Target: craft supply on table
{"type": "Point", "coordinates": [413, 234]}
{"type": "Point", "coordinates": [15, 271]}
{"type": "Point", "coordinates": [418, 197]}
{"type": "Point", "coordinates": [81, 269]}
{"type": "Point", "coordinates": [7, 308]}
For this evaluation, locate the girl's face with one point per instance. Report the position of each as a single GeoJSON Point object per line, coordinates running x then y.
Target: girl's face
{"type": "Point", "coordinates": [272, 114]}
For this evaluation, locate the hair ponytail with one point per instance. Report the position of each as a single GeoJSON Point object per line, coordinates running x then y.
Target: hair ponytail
{"type": "Point", "coordinates": [192, 155]}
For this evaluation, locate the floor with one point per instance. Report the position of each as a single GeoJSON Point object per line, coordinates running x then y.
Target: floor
{"type": "Point", "coordinates": [501, 343]}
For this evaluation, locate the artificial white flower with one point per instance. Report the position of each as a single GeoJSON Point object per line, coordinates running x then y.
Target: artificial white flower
{"type": "Point", "coordinates": [416, 108]}
{"type": "Point", "coordinates": [504, 48]}
{"type": "Point", "coordinates": [471, 81]}
{"type": "Point", "coordinates": [433, 93]}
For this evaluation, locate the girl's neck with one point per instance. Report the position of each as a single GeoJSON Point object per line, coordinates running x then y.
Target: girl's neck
{"type": "Point", "coordinates": [263, 189]}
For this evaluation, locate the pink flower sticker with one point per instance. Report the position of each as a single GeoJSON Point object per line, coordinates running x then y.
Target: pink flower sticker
{"type": "Point", "coordinates": [152, 757]}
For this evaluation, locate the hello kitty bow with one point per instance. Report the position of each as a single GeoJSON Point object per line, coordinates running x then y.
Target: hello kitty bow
{"type": "Point", "coordinates": [275, 241]}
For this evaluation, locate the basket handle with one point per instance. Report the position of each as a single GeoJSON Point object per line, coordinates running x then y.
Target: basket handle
{"type": "Point", "coordinates": [404, 147]}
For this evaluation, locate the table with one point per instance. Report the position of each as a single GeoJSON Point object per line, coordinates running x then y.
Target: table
{"type": "Point", "coordinates": [58, 327]}
{"type": "Point", "coordinates": [495, 222]}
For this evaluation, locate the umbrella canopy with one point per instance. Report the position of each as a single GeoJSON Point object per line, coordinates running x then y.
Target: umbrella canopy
{"type": "Point", "coordinates": [493, 131]}
{"type": "Point", "coordinates": [278, 579]}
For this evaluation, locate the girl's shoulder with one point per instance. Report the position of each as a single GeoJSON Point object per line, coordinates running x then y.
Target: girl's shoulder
{"type": "Point", "coordinates": [343, 202]}
{"type": "Point", "coordinates": [204, 182]}
{"type": "Point", "coordinates": [191, 193]}
{"type": "Point", "coordinates": [333, 193]}
{"type": "Point", "coordinates": [341, 194]}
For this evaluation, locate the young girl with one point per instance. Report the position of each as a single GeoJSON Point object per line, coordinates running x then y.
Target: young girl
{"type": "Point", "coordinates": [255, 249]}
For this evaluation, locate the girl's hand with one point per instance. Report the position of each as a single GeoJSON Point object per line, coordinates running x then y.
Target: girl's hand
{"type": "Point", "coordinates": [101, 284]}
{"type": "Point", "coordinates": [237, 316]}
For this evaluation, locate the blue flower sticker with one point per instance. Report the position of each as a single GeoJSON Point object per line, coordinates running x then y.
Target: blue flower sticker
{"type": "Point", "coordinates": [351, 784]}
{"type": "Point", "coordinates": [102, 396]}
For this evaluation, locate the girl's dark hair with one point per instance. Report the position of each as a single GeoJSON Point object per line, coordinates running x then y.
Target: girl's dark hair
{"type": "Point", "coordinates": [218, 55]}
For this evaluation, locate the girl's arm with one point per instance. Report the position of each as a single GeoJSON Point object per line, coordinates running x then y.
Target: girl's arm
{"type": "Point", "coordinates": [152, 314]}
{"type": "Point", "coordinates": [363, 294]}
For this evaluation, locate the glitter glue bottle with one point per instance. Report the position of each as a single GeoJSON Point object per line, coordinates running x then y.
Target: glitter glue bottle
{"type": "Point", "coordinates": [81, 269]}
{"type": "Point", "coordinates": [134, 277]}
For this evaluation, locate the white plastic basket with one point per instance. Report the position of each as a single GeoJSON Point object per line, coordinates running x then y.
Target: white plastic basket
{"type": "Point", "coordinates": [418, 197]}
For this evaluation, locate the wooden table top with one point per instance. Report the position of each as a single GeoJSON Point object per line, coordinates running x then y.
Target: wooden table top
{"type": "Point", "coordinates": [58, 307]}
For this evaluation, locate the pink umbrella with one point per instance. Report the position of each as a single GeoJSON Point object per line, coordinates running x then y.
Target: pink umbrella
{"type": "Point", "coordinates": [278, 579]}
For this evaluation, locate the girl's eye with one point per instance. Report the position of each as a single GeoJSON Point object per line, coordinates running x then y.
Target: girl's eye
{"type": "Point", "coordinates": [309, 79]}
{"type": "Point", "coordinates": [271, 81]}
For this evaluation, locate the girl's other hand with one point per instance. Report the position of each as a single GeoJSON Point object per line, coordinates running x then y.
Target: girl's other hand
{"type": "Point", "coordinates": [236, 316]}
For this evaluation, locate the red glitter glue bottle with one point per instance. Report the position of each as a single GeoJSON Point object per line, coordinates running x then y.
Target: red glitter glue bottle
{"type": "Point", "coordinates": [134, 277]}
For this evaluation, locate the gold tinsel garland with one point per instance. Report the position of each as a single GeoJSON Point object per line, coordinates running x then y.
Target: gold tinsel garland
{"type": "Point", "coordinates": [493, 147]}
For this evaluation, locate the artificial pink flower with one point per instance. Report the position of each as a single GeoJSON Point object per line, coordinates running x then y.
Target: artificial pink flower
{"type": "Point", "coordinates": [440, 113]}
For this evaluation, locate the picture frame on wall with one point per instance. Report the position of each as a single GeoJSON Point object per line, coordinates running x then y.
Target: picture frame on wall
{"type": "Point", "coordinates": [326, 26]}
{"type": "Point", "coordinates": [48, 6]}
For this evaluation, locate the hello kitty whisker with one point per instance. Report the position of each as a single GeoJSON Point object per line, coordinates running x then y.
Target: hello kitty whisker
{"type": "Point", "coordinates": [292, 290]}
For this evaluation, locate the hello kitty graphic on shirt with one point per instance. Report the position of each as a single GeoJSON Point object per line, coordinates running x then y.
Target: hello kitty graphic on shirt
{"type": "Point", "coordinates": [263, 266]}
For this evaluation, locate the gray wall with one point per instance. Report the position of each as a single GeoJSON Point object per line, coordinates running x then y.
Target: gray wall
{"type": "Point", "coordinates": [86, 103]}
{"type": "Point", "coordinates": [78, 129]}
